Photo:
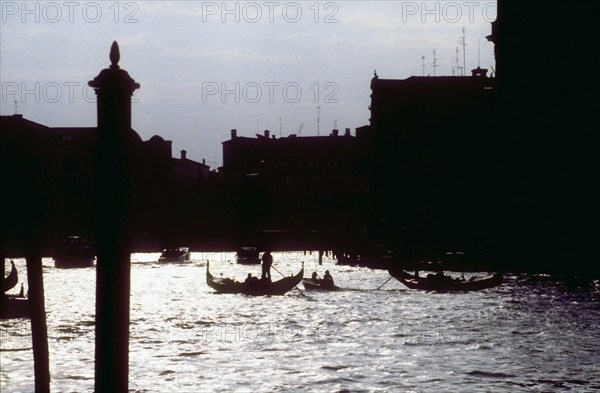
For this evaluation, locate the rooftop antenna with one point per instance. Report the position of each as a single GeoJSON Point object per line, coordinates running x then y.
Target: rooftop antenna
{"type": "Point", "coordinates": [478, 53]}
{"type": "Point", "coordinates": [435, 65]}
{"type": "Point", "coordinates": [318, 120]}
{"type": "Point", "coordinates": [335, 124]}
{"type": "Point", "coordinates": [423, 59]}
{"type": "Point", "coordinates": [16, 107]}
{"type": "Point", "coordinates": [457, 68]}
{"type": "Point", "coordinates": [463, 41]}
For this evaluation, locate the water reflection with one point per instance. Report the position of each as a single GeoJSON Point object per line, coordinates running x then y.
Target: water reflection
{"type": "Point", "coordinates": [529, 333]}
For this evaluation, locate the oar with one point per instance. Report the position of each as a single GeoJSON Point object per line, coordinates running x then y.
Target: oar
{"type": "Point", "coordinates": [386, 281]}
{"type": "Point", "coordinates": [274, 268]}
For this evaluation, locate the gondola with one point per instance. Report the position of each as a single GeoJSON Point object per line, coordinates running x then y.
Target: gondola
{"type": "Point", "coordinates": [319, 283]}
{"type": "Point", "coordinates": [259, 288]}
{"type": "Point", "coordinates": [11, 280]}
{"type": "Point", "coordinates": [12, 306]}
{"type": "Point", "coordinates": [443, 283]}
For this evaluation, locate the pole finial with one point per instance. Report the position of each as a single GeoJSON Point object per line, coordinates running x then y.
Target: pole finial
{"type": "Point", "coordinates": [115, 56]}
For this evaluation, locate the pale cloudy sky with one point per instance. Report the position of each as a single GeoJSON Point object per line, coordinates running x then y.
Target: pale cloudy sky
{"type": "Point", "coordinates": [206, 67]}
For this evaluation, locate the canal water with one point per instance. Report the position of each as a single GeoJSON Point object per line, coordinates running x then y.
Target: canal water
{"type": "Point", "coordinates": [535, 333]}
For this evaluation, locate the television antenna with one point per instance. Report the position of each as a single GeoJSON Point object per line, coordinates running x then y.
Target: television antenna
{"type": "Point", "coordinates": [478, 53]}
{"type": "Point", "coordinates": [300, 129]}
{"type": "Point", "coordinates": [318, 120]}
{"type": "Point", "coordinates": [16, 107]}
{"type": "Point", "coordinates": [463, 42]}
{"type": "Point", "coordinates": [458, 68]}
{"type": "Point", "coordinates": [423, 60]}
{"type": "Point", "coordinates": [434, 63]}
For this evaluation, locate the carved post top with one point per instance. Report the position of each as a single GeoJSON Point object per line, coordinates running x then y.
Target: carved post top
{"type": "Point", "coordinates": [114, 78]}
{"type": "Point", "coordinates": [114, 56]}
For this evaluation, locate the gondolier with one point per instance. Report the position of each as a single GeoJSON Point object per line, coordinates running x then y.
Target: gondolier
{"type": "Point", "coordinates": [267, 261]}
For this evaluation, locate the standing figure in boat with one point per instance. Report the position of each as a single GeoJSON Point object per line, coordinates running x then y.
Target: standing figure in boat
{"type": "Point", "coordinates": [267, 261]}
{"type": "Point", "coordinates": [327, 276]}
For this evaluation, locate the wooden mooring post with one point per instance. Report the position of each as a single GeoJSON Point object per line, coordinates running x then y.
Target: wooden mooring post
{"type": "Point", "coordinates": [114, 88]}
{"type": "Point", "coordinates": [37, 311]}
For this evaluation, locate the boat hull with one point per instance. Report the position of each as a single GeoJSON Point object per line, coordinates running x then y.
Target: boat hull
{"type": "Point", "coordinates": [321, 284]}
{"type": "Point", "coordinates": [74, 251]}
{"type": "Point", "coordinates": [446, 285]}
{"type": "Point", "coordinates": [260, 288]}
{"type": "Point", "coordinates": [178, 255]}
{"type": "Point", "coordinates": [11, 280]}
{"type": "Point", "coordinates": [73, 261]}
{"type": "Point", "coordinates": [14, 307]}
{"type": "Point", "coordinates": [248, 261]}
{"type": "Point", "coordinates": [248, 256]}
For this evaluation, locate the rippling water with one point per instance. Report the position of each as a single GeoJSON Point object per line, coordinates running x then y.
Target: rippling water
{"type": "Point", "coordinates": [533, 333]}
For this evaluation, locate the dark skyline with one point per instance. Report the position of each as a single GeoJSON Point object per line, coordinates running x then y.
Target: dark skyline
{"type": "Point", "coordinates": [190, 65]}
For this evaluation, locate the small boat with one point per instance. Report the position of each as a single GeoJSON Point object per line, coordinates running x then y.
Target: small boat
{"type": "Point", "coordinates": [74, 251]}
{"type": "Point", "coordinates": [248, 256]}
{"type": "Point", "coordinates": [375, 256]}
{"type": "Point", "coordinates": [12, 306]}
{"type": "Point", "coordinates": [442, 283]}
{"type": "Point", "coordinates": [319, 283]}
{"type": "Point", "coordinates": [178, 254]}
{"type": "Point", "coordinates": [257, 288]}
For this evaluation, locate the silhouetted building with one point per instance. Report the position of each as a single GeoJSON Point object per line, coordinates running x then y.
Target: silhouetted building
{"type": "Point", "coordinates": [504, 168]}
{"type": "Point", "coordinates": [547, 67]}
{"type": "Point", "coordinates": [60, 162]}
{"type": "Point", "coordinates": [431, 141]}
{"type": "Point", "coordinates": [189, 172]}
{"type": "Point", "coordinates": [312, 188]}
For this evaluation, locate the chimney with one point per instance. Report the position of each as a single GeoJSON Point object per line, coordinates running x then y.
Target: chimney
{"type": "Point", "coordinates": [335, 132]}
{"type": "Point", "coordinates": [267, 132]}
{"type": "Point", "coordinates": [233, 133]}
{"type": "Point", "coordinates": [203, 161]}
{"type": "Point", "coordinates": [183, 154]}
{"type": "Point", "coordinates": [347, 133]}
{"type": "Point", "coordinates": [479, 72]}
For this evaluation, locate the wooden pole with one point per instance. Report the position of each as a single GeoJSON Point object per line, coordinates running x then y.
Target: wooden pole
{"type": "Point", "coordinates": [386, 281]}
{"type": "Point", "coordinates": [113, 88]}
{"type": "Point", "coordinates": [39, 332]}
{"type": "Point", "coordinates": [33, 216]}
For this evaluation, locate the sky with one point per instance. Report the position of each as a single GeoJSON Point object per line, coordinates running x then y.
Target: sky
{"type": "Point", "coordinates": [206, 67]}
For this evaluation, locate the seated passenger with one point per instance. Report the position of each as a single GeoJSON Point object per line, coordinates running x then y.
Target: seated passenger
{"type": "Point", "coordinates": [251, 279]}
